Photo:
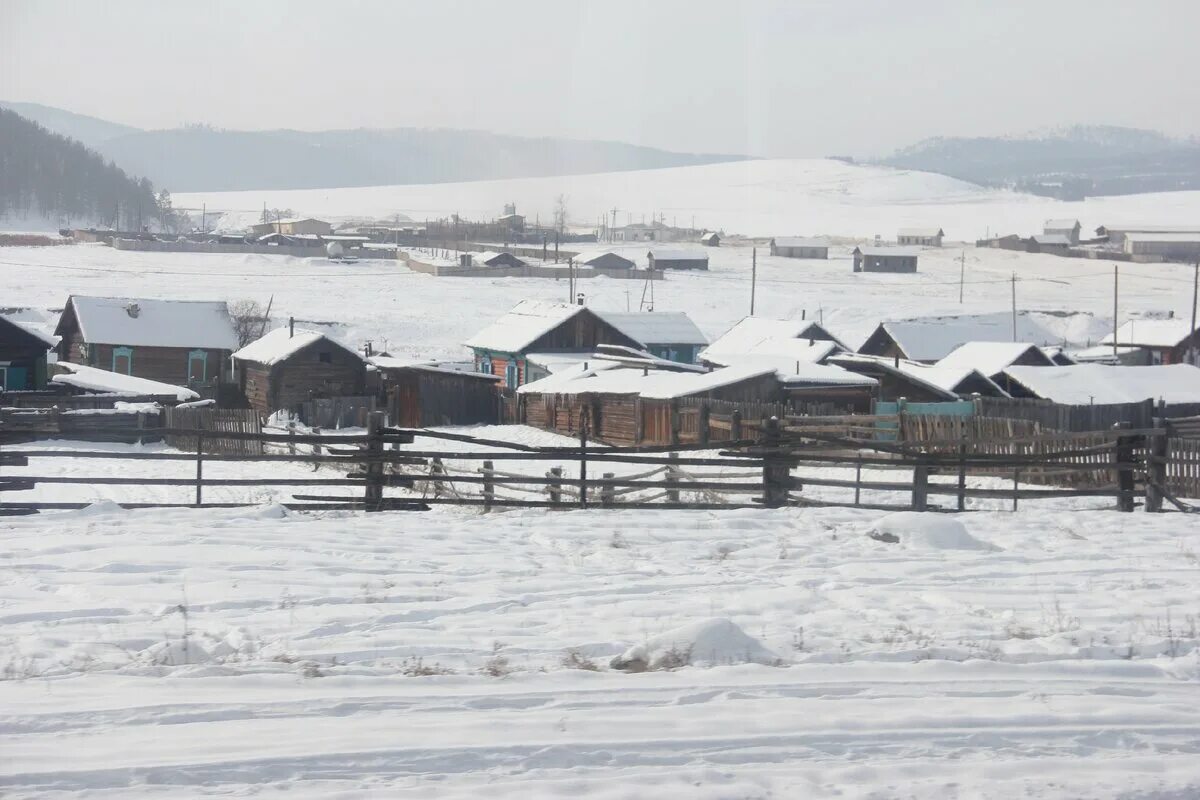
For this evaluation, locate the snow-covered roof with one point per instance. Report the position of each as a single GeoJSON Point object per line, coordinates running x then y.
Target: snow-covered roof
{"type": "Point", "coordinates": [1173, 237]}
{"type": "Point", "coordinates": [655, 327]}
{"type": "Point", "coordinates": [1083, 384]}
{"type": "Point", "coordinates": [99, 380]}
{"type": "Point", "coordinates": [589, 256]}
{"type": "Point", "coordinates": [1052, 239]}
{"type": "Point", "coordinates": [524, 324]}
{"type": "Point", "coordinates": [677, 254]}
{"type": "Point", "coordinates": [924, 233]}
{"type": "Point", "coordinates": [280, 344]}
{"type": "Point", "coordinates": [798, 241]}
{"type": "Point", "coordinates": [1135, 228]}
{"type": "Point", "coordinates": [933, 338]}
{"type": "Point", "coordinates": [487, 256]}
{"type": "Point", "coordinates": [708, 237]}
{"type": "Point", "coordinates": [948, 379]}
{"type": "Point", "coordinates": [34, 329]}
{"type": "Point", "coordinates": [558, 362]}
{"type": "Point", "coordinates": [153, 323]}
{"type": "Point", "coordinates": [758, 336]}
{"type": "Point", "coordinates": [1060, 224]}
{"type": "Point", "coordinates": [1101, 353]}
{"type": "Point", "coordinates": [991, 358]}
{"type": "Point", "coordinates": [430, 365]}
{"type": "Point", "coordinates": [889, 252]}
{"type": "Point", "coordinates": [292, 220]}
{"type": "Point", "coordinates": [1151, 333]}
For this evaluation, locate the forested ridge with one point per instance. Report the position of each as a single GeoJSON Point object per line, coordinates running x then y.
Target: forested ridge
{"type": "Point", "coordinates": [43, 174]}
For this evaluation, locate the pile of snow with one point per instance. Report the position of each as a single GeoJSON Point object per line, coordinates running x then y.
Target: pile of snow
{"type": "Point", "coordinates": [99, 380]}
{"type": "Point", "coordinates": [706, 643]}
{"type": "Point", "coordinates": [926, 531]}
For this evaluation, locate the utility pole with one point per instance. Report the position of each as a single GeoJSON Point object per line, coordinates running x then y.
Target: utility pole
{"type": "Point", "coordinates": [1195, 292]}
{"type": "Point", "coordinates": [753, 277]}
{"type": "Point", "coordinates": [1014, 305]}
{"type": "Point", "coordinates": [1115, 326]}
{"type": "Point", "coordinates": [962, 274]}
{"type": "Point", "coordinates": [612, 230]}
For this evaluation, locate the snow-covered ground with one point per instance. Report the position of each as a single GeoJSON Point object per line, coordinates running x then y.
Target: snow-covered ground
{"type": "Point", "coordinates": [775, 197]}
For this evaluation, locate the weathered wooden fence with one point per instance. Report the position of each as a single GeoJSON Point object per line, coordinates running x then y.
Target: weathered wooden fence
{"type": "Point", "coordinates": [337, 412]}
{"type": "Point", "coordinates": [214, 422]}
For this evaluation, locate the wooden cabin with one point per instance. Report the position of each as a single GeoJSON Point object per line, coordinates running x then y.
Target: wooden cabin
{"type": "Point", "coordinates": [669, 335]}
{"type": "Point", "coordinates": [287, 368]}
{"type": "Point", "coordinates": [537, 326]}
{"type": "Point", "coordinates": [799, 247]}
{"type": "Point", "coordinates": [885, 259]}
{"type": "Point", "coordinates": [920, 237]}
{"type": "Point", "coordinates": [670, 258]}
{"type": "Point", "coordinates": [421, 395]}
{"type": "Point", "coordinates": [23, 356]}
{"type": "Point", "coordinates": [179, 342]}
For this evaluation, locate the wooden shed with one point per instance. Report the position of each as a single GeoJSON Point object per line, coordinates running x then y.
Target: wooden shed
{"type": "Point", "coordinates": [885, 259]}
{"type": "Point", "coordinates": [920, 237]}
{"type": "Point", "coordinates": [286, 368]}
{"type": "Point", "coordinates": [23, 356]}
{"type": "Point", "coordinates": [180, 342]}
{"type": "Point", "coordinates": [799, 247]}
{"type": "Point", "coordinates": [420, 395]}
{"type": "Point", "coordinates": [672, 258]}
{"type": "Point", "coordinates": [605, 260]}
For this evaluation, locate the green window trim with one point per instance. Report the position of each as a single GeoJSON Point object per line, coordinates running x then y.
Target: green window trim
{"type": "Point", "coordinates": [127, 352]}
{"type": "Point", "coordinates": [202, 357]}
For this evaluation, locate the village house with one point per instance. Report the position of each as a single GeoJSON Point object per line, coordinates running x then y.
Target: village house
{"type": "Point", "coordinates": [929, 339]}
{"type": "Point", "coordinates": [917, 382]}
{"type": "Point", "coordinates": [993, 358]}
{"type": "Point", "coordinates": [1167, 246]}
{"type": "Point", "coordinates": [1063, 227]}
{"type": "Point", "coordinates": [1115, 234]}
{"type": "Point", "coordinates": [1054, 243]}
{"type": "Point", "coordinates": [179, 342]}
{"type": "Point", "coordinates": [1099, 384]}
{"type": "Point", "coordinates": [605, 260]}
{"type": "Point", "coordinates": [287, 367]}
{"type": "Point", "coordinates": [507, 346]}
{"type": "Point", "coordinates": [661, 258]}
{"type": "Point", "coordinates": [920, 237]}
{"type": "Point", "coordinates": [670, 335]}
{"type": "Point", "coordinates": [885, 259]}
{"type": "Point", "coordinates": [756, 339]}
{"type": "Point", "coordinates": [1154, 341]}
{"type": "Point", "coordinates": [711, 239]}
{"type": "Point", "coordinates": [24, 351]}
{"type": "Point", "coordinates": [493, 259]}
{"type": "Point", "coordinates": [799, 247]}
{"type": "Point", "coordinates": [292, 227]}
{"type": "Point", "coordinates": [424, 393]}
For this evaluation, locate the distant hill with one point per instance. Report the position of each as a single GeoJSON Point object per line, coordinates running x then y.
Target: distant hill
{"type": "Point", "coordinates": [202, 158]}
{"type": "Point", "coordinates": [1069, 163]}
{"type": "Point", "coordinates": [90, 131]}
{"type": "Point", "coordinates": [50, 176]}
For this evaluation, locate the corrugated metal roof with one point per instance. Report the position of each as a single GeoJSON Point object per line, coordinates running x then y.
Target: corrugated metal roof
{"type": "Point", "coordinates": [655, 327]}
{"type": "Point", "coordinates": [154, 323]}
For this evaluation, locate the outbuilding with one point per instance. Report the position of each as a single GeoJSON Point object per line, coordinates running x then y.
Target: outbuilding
{"type": "Point", "coordinates": [293, 226]}
{"type": "Point", "coordinates": [1155, 341]}
{"type": "Point", "coordinates": [1063, 227]}
{"type": "Point", "coordinates": [287, 368]}
{"type": "Point", "coordinates": [24, 351]}
{"type": "Point", "coordinates": [605, 260]}
{"type": "Point", "coordinates": [885, 259]}
{"type": "Point", "coordinates": [711, 239]}
{"type": "Point", "coordinates": [669, 258]}
{"type": "Point", "coordinates": [799, 247]}
{"type": "Point", "coordinates": [920, 237]}
{"type": "Point", "coordinates": [669, 335]}
{"type": "Point", "coordinates": [421, 394]}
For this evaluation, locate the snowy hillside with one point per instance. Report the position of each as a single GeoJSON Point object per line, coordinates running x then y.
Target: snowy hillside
{"type": "Point", "coordinates": [756, 198]}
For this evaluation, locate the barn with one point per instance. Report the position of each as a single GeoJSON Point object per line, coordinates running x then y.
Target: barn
{"type": "Point", "coordinates": [993, 358]}
{"type": "Point", "coordinates": [711, 239]}
{"type": "Point", "coordinates": [662, 258]}
{"type": "Point", "coordinates": [920, 237]}
{"type": "Point", "coordinates": [23, 356]}
{"type": "Point", "coordinates": [180, 342]}
{"type": "Point", "coordinates": [292, 227]}
{"type": "Point", "coordinates": [1167, 246]}
{"type": "Point", "coordinates": [540, 327]}
{"type": "Point", "coordinates": [1063, 227]}
{"type": "Point", "coordinates": [421, 394]}
{"type": "Point", "coordinates": [287, 368]}
{"type": "Point", "coordinates": [885, 259]}
{"type": "Point", "coordinates": [799, 247]}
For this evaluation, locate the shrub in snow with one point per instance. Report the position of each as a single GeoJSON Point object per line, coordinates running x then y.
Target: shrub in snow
{"type": "Point", "coordinates": [926, 531]}
{"type": "Point", "coordinates": [174, 653]}
{"type": "Point", "coordinates": [707, 643]}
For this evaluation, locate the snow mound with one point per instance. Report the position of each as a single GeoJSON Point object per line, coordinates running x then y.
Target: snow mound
{"type": "Point", "coordinates": [100, 508]}
{"type": "Point", "coordinates": [174, 653]}
{"type": "Point", "coordinates": [926, 531]}
{"type": "Point", "coordinates": [706, 643]}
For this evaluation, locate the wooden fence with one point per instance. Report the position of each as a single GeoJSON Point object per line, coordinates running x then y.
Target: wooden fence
{"type": "Point", "coordinates": [214, 422]}
{"type": "Point", "coordinates": [754, 472]}
{"type": "Point", "coordinates": [80, 424]}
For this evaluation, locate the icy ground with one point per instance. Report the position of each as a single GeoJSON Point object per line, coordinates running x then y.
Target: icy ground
{"type": "Point", "coordinates": [1048, 653]}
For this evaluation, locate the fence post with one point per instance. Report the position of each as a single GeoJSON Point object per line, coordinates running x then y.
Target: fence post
{"type": "Point", "coordinates": [857, 479]}
{"type": "Point", "coordinates": [735, 425]}
{"type": "Point", "coordinates": [373, 495]}
{"type": "Point", "coordinates": [199, 469]}
{"type": "Point", "coordinates": [920, 487]}
{"type": "Point", "coordinates": [556, 487]}
{"type": "Point", "coordinates": [291, 437]}
{"type": "Point", "coordinates": [316, 445]}
{"type": "Point", "coordinates": [1157, 449]}
{"type": "Point", "coordinates": [673, 405]}
{"type": "Point", "coordinates": [1123, 456]}
{"type": "Point", "coordinates": [672, 476]}
{"type": "Point", "coordinates": [900, 431]}
{"type": "Point", "coordinates": [1016, 487]}
{"type": "Point", "coordinates": [489, 486]}
{"type": "Point", "coordinates": [776, 472]}
{"type": "Point", "coordinates": [608, 494]}
{"type": "Point", "coordinates": [583, 437]}
{"type": "Point", "coordinates": [962, 473]}
{"type": "Point", "coordinates": [704, 416]}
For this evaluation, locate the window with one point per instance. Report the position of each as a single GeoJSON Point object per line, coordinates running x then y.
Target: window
{"type": "Point", "coordinates": [122, 360]}
{"type": "Point", "coordinates": [511, 375]}
{"type": "Point", "coordinates": [197, 366]}
{"type": "Point", "coordinates": [485, 365]}
{"type": "Point", "coordinates": [325, 357]}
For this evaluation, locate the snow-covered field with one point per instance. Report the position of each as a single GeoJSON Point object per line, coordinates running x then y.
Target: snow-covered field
{"type": "Point", "coordinates": [776, 197]}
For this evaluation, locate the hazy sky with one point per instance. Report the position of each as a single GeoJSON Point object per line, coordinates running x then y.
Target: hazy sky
{"type": "Point", "coordinates": [802, 78]}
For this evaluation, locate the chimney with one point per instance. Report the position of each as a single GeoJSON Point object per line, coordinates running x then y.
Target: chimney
{"type": "Point", "coordinates": [133, 309]}
{"type": "Point", "coordinates": [291, 327]}
{"type": "Point", "coordinates": [803, 313]}
{"type": "Point", "coordinates": [896, 361]}
{"type": "Point", "coordinates": [579, 299]}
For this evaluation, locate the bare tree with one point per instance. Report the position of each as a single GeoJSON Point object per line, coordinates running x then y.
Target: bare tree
{"type": "Point", "coordinates": [249, 320]}
{"type": "Point", "coordinates": [560, 214]}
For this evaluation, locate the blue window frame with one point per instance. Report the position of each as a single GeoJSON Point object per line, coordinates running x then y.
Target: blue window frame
{"type": "Point", "coordinates": [122, 360]}
{"type": "Point", "coordinates": [197, 366]}
{"type": "Point", "coordinates": [511, 374]}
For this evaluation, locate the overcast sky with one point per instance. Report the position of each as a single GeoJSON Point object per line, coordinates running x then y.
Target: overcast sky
{"type": "Point", "coordinates": [801, 78]}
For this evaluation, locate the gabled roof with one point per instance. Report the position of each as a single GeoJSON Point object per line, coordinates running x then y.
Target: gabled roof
{"type": "Point", "coordinates": [889, 252]}
{"type": "Point", "coordinates": [31, 330]}
{"type": "Point", "coordinates": [593, 255]}
{"type": "Point", "coordinates": [1151, 333]}
{"type": "Point", "coordinates": [280, 344]}
{"type": "Point", "coordinates": [1085, 384]}
{"type": "Point", "coordinates": [140, 322]}
{"type": "Point", "coordinates": [655, 327]}
{"type": "Point", "coordinates": [925, 233]}
{"type": "Point", "coordinates": [1173, 237]}
{"type": "Point", "coordinates": [488, 256]}
{"type": "Point", "coordinates": [1148, 229]}
{"type": "Point", "coordinates": [708, 237]}
{"type": "Point", "coordinates": [949, 381]}
{"type": "Point", "coordinates": [393, 364]}
{"type": "Point", "coordinates": [933, 338]}
{"type": "Point", "coordinates": [991, 358]}
{"type": "Point", "coordinates": [677, 254]}
{"type": "Point", "coordinates": [527, 322]}
{"type": "Point", "coordinates": [798, 241]}
{"type": "Point", "coordinates": [1060, 224]}
{"type": "Point", "coordinates": [759, 336]}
